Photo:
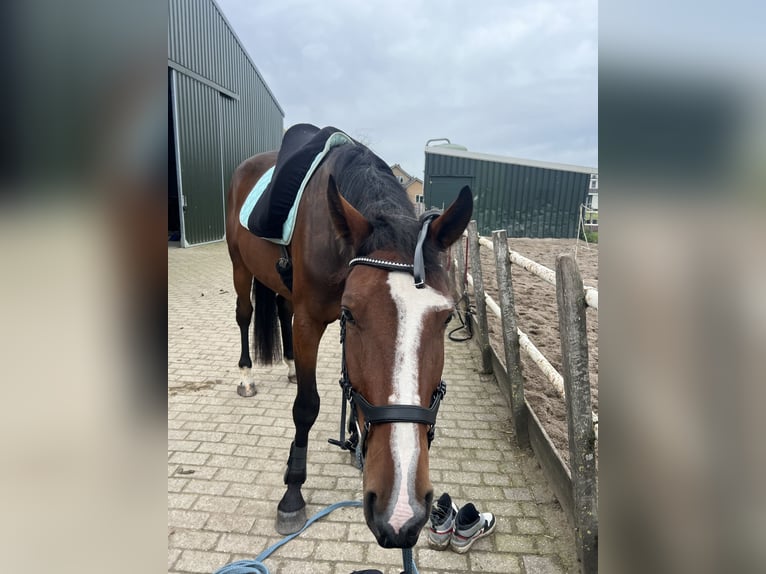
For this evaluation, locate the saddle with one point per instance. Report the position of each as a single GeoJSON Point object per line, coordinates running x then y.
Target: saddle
{"type": "Point", "coordinates": [297, 158]}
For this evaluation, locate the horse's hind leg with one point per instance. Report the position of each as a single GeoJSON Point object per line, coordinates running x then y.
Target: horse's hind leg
{"type": "Point", "coordinates": [285, 311]}
{"type": "Point", "coordinates": [243, 281]}
{"type": "Point", "coordinates": [291, 512]}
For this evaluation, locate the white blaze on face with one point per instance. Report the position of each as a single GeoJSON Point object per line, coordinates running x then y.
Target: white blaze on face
{"type": "Point", "coordinates": [411, 304]}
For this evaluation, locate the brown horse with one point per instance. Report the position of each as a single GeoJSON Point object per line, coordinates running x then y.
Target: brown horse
{"type": "Point", "coordinates": [353, 251]}
{"type": "Point", "coordinates": [253, 262]}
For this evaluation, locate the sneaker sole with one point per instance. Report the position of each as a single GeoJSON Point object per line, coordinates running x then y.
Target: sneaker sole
{"type": "Point", "coordinates": [467, 547]}
{"type": "Point", "coordinates": [436, 545]}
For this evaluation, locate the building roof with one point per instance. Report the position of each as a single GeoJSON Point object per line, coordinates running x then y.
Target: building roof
{"type": "Point", "coordinates": [439, 150]}
{"type": "Point", "coordinates": [408, 179]}
{"type": "Point", "coordinates": [400, 168]}
{"type": "Point", "coordinates": [175, 19]}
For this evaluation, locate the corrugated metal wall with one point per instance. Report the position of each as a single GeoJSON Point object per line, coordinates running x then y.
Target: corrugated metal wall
{"type": "Point", "coordinates": [525, 201]}
{"type": "Point", "coordinates": [199, 153]}
{"type": "Point", "coordinates": [225, 112]}
{"type": "Point", "coordinates": [249, 129]}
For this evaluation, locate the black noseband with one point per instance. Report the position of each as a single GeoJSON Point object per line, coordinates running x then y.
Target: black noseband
{"type": "Point", "coordinates": [400, 413]}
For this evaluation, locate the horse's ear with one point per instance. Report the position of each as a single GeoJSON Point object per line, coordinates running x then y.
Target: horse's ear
{"type": "Point", "coordinates": [449, 226]}
{"type": "Point", "coordinates": [349, 223]}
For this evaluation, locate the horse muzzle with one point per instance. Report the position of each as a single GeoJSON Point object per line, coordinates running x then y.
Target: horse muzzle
{"type": "Point", "coordinates": [388, 529]}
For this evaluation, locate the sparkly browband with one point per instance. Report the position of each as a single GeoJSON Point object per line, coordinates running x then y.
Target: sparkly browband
{"type": "Point", "coordinates": [382, 264]}
{"type": "Point", "coordinates": [418, 268]}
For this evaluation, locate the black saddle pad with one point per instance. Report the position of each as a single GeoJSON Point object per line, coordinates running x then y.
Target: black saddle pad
{"type": "Point", "coordinates": [300, 145]}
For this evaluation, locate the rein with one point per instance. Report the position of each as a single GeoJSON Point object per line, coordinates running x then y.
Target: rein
{"type": "Point", "coordinates": [374, 414]}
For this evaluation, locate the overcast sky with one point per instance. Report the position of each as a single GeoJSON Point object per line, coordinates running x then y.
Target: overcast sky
{"type": "Point", "coordinates": [516, 78]}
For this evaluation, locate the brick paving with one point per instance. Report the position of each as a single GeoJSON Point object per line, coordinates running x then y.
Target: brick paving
{"type": "Point", "coordinates": [226, 454]}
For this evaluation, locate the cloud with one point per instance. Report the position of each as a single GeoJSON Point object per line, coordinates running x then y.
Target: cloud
{"type": "Point", "coordinates": [512, 79]}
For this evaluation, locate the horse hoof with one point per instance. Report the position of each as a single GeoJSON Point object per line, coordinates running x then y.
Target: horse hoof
{"type": "Point", "coordinates": [248, 390]}
{"type": "Point", "coordinates": [290, 522]}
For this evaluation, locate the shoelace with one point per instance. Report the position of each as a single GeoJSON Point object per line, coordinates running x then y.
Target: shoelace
{"type": "Point", "coordinates": [439, 516]}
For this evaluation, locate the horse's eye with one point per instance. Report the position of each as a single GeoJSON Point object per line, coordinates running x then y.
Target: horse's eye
{"type": "Point", "coordinates": [448, 319]}
{"type": "Point", "coordinates": [347, 316]}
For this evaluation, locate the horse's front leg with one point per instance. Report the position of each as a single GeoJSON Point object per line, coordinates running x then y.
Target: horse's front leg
{"type": "Point", "coordinates": [291, 512]}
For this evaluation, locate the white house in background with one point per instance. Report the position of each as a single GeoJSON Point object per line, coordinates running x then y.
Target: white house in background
{"type": "Point", "coordinates": [592, 200]}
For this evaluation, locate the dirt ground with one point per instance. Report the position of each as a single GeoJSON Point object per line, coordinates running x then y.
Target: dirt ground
{"type": "Point", "coordinates": [537, 316]}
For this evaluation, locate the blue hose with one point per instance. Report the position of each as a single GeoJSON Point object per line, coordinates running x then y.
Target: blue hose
{"type": "Point", "coordinates": [409, 561]}
{"type": "Point", "coordinates": [258, 567]}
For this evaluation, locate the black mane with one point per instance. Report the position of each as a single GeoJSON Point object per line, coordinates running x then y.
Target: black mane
{"type": "Point", "coordinates": [367, 183]}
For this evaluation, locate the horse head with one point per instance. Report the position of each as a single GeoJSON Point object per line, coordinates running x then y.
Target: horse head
{"type": "Point", "coordinates": [394, 356]}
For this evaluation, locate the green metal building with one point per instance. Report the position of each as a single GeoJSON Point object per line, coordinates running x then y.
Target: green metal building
{"type": "Point", "coordinates": [526, 198]}
{"type": "Point", "coordinates": [220, 112]}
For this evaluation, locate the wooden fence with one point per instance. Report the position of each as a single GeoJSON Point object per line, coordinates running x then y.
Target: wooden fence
{"type": "Point", "coordinates": [575, 486]}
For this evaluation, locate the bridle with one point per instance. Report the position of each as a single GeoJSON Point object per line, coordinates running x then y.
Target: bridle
{"type": "Point", "coordinates": [379, 414]}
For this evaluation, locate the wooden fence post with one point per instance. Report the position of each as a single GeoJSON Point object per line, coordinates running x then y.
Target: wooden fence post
{"type": "Point", "coordinates": [452, 271]}
{"type": "Point", "coordinates": [582, 439]}
{"type": "Point", "coordinates": [481, 304]}
{"type": "Point", "coordinates": [460, 287]}
{"type": "Point", "coordinates": [510, 336]}
{"type": "Point", "coordinates": [459, 248]}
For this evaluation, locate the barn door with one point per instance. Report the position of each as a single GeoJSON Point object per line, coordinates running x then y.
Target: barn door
{"type": "Point", "coordinates": [199, 160]}
{"type": "Point", "coordinates": [443, 190]}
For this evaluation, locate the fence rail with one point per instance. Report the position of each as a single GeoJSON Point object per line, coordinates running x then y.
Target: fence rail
{"type": "Point", "coordinates": [546, 368]}
{"type": "Point", "coordinates": [576, 485]}
{"type": "Point", "coordinates": [525, 343]}
{"type": "Point", "coordinates": [541, 271]}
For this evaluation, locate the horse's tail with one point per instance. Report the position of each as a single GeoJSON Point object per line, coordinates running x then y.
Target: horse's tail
{"type": "Point", "coordinates": [266, 343]}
